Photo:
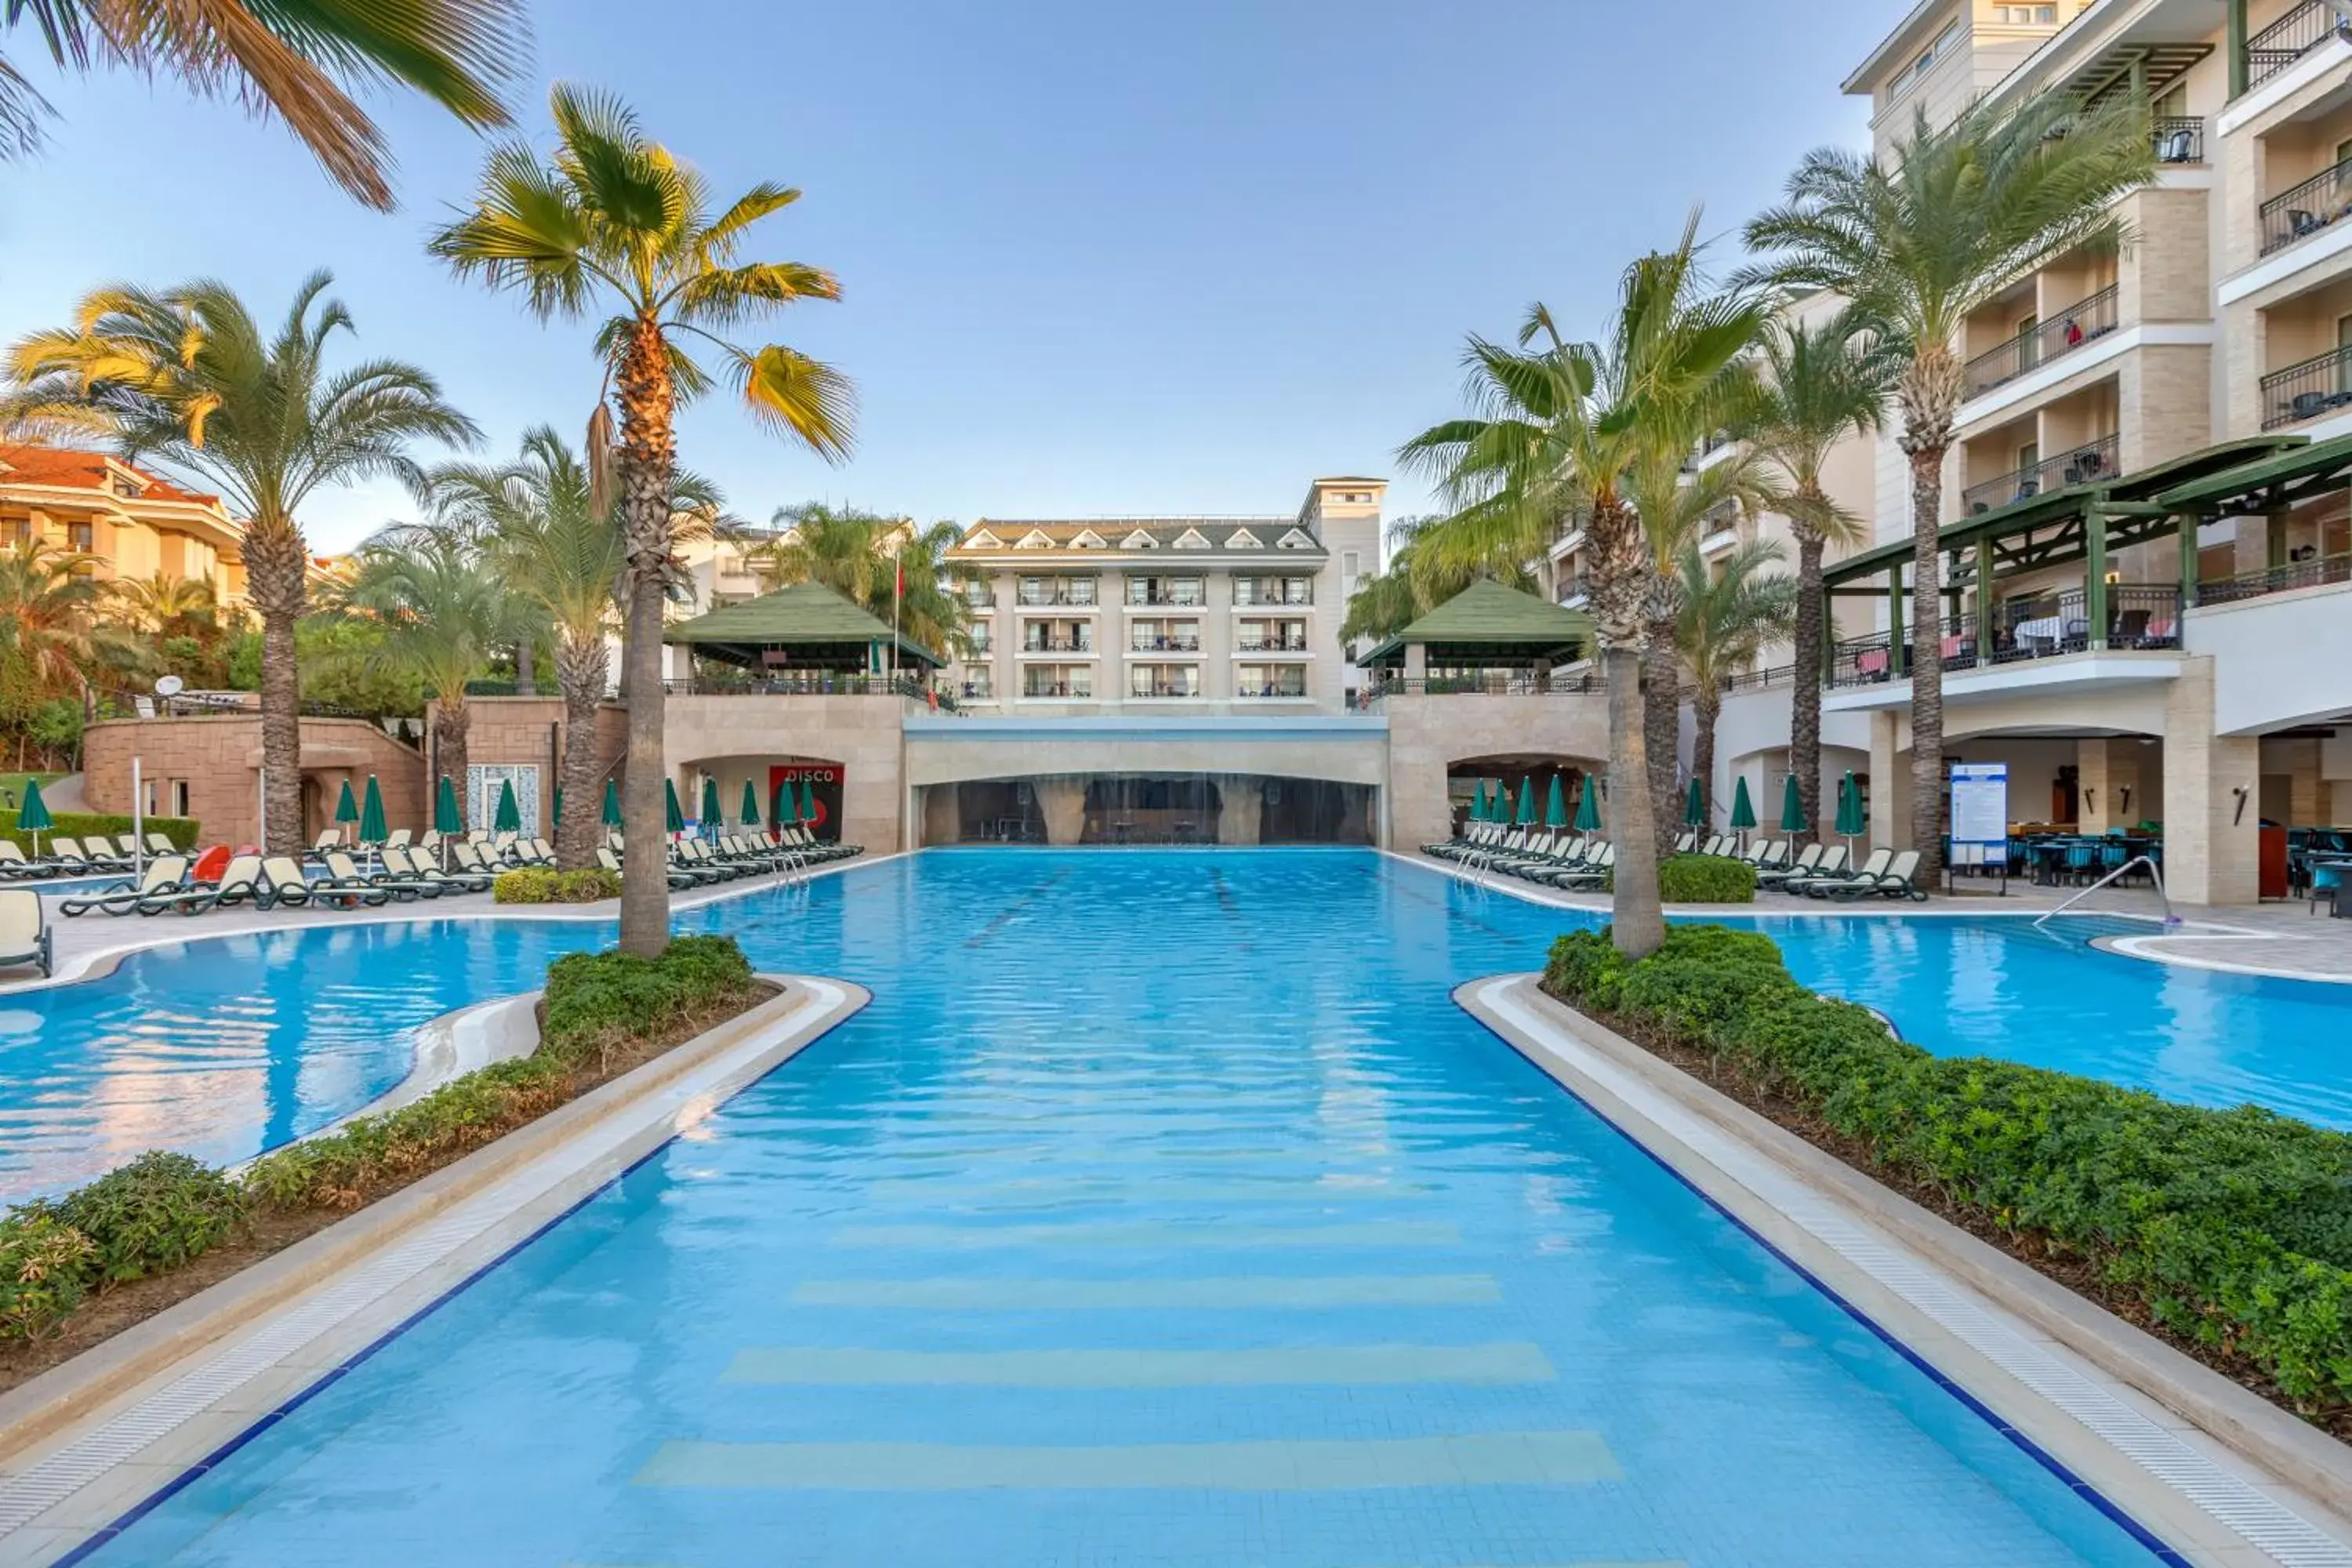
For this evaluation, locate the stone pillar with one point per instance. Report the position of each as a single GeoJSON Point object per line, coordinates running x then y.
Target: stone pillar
{"type": "Point", "coordinates": [1240, 811]}
{"type": "Point", "coordinates": [2209, 842]}
{"type": "Point", "coordinates": [1063, 803]}
{"type": "Point", "coordinates": [2106, 769]}
{"type": "Point", "coordinates": [1416, 667]}
{"type": "Point", "coordinates": [942, 814]}
{"type": "Point", "coordinates": [1888, 826]}
{"type": "Point", "coordinates": [2306, 789]}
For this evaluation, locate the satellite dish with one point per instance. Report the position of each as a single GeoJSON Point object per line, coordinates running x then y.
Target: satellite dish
{"type": "Point", "coordinates": [169, 686]}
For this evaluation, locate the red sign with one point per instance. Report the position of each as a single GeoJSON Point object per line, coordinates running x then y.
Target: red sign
{"type": "Point", "coordinates": [826, 780]}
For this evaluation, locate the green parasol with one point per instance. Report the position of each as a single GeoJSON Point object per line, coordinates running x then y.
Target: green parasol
{"type": "Point", "coordinates": [1852, 820]}
{"type": "Point", "coordinates": [446, 818]}
{"type": "Point", "coordinates": [1526, 802]}
{"type": "Point", "coordinates": [1588, 806]}
{"type": "Point", "coordinates": [1694, 807]}
{"type": "Point", "coordinates": [1792, 807]}
{"type": "Point", "coordinates": [808, 800]}
{"type": "Point", "coordinates": [1477, 801]}
{"type": "Point", "coordinates": [1556, 806]}
{"type": "Point", "coordinates": [347, 809]}
{"type": "Point", "coordinates": [709, 803]}
{"type": "Point", "coordinates": [1743, 810]}
{"type": "Point", "coordinates": [509, 816]}
{"type": "Point", "coordinates": [751, 804]}
{"type": "Point", "coordinates": [675, 818]}
{"type": "Point", "coordinates": [33, 816]}
{"type": "Point", "coordinates": [611, 803]}
{"type": "Point", "coordinates": [559, 806]}
{"type": "Point", "coordinates": [371, 827]}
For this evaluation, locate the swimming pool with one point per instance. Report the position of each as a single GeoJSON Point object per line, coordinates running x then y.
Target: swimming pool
{"type": "Point", "coordinates": [1160, 1208]}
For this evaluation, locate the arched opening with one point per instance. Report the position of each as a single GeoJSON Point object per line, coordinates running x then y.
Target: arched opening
{"type": "Point", "coordinates": [1513, 775]}
{"type": "Point", "coordinates": [1152, 807]}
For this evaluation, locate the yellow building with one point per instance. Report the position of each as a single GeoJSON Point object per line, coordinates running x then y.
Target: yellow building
{"type": "Point", "coordinates": [133, 524]}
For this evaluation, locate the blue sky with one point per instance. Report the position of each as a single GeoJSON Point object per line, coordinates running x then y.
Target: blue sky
{"type": "Point", "coordinates": [1097, 259]}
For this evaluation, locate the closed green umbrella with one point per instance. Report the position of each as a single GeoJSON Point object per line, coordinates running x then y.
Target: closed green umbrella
{"type": "Point", "coordinates": [33, 816]}
{"type": "Point", "coordinates": [611, 803]}
{"type": "Point", "coordinates": [1556, 806]}
{"type": "Point", "coordinates": [709, 803]}
{"type": "Point", "coordinates": [446, 818]}
{"type": "Point", "coordinates": [559, 806]}
{"type": "Point", "coordinates": [1792, 807]}
{"type": "Point", "coordinates": [675, 818]}
{"type": "Point", "coordinates": [1526, 802]}
{"type": "Point", "coordinates": [751, 804]}
{"type": "Point", "coordinates": [1850, 820]}
{"type": "Point", "coordinates": [347, 809]}
{"type": "Point", "coordinates": [1478, 800]}
{"type": "Point", "coordinates": [1588, 806]}
{"type": "Point", "coordinates": [808, 800]}
{"type": "Point", "coordinates": [1694, 807]}
{"type": "Point", "coordinates": [509, 816]}
{"type": "Point", "coordinates": [1743, 810]}
{"type": "Point", "coordinates": [371, 827]}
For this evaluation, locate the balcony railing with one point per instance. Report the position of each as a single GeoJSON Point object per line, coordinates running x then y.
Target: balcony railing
{"type": "Point", "coordinates": [2291, 37]}
{"type": "Point", "coordinates": [2309, 390]}
{"type": "Point", "coordinates": [2064, 332]}
{"type": "Point", "coordinates": [1760, 679]}
{"type": "Point", "coordinates": [1183, 596]}
{"type": "Point", "coordinates": [1272, 645]}
{"type": "Point", "coordinates": [1250, 592]}
{"type": "Point", "coordinates": [2140, 617]}
{"type": "Point", "coordinates": [1079, 592]}
{"type": "Point", "coordinates": [2307, 208]}
{"type": "Point", "coordinates": [1057, 645]}
{"type": "Point", "coordinates": [712, 682]}
{"type": "Point", "coordinates": [1504, 682]}
{"type": "Point", "coordinates": [2094, 460]}
{"type": "Point", "coordinates": [1158, 691]}
{"type": "Point", "coordinates": [2180, 139]}
{"type": "Point", "coordinates": [2314, 574]}
{"type": "Point", "coordinates": [1141, 644]}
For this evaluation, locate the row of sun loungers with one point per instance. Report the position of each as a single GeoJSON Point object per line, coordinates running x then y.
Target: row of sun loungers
{"type": "Point", "coordinates": [1560, 858]}
{"type": "Point", "coordinates": [94, 855]}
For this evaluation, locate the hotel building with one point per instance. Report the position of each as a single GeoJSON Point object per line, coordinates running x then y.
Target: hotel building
{"type": "Point", "coordinates": [131, 524]}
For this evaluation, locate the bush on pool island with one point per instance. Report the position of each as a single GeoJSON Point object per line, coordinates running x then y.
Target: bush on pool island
{"type": "Point", "coordinates": [603, 1012]}
{"type": "Point", "coordinates": [544, 884]}
{"type": "Point", "coordinates": [2231, 1229]}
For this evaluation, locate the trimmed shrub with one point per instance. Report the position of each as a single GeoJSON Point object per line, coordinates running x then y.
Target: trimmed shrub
{"type": "Point", "coordinates": [1706, 879]}
{"type": "Point", "coordinates": [180, 830]}
{"type": "Point", "coordinates": [153, 1214]}
{"type": "Point", "coordinates": [2233, 1228]}
{"type": "Point", "coordinates": [545, 885]}
{"type": "Point", "coordinates": [45, 1266]}
{"type": "Point", "coordinates": [598, 1000]}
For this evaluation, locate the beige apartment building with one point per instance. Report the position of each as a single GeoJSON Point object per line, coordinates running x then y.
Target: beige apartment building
{"type": "Point", "coordinates": [132, 523]}
{"type": "Point", "coordinates": [2147, 613]}
{"type": "Point", "coordinates": [1227, 614]}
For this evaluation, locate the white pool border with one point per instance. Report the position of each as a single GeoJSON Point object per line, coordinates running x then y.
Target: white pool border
{"type": "Point", "coordinates": [90, 1446]}
{"type": "Point", "coordinates": [2220, 1475]}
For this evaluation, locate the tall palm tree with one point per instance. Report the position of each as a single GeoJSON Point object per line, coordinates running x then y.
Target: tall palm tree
{"type": "Point", "coordinates": [290, 58]}
{"type": "Point", "coordinates": [52, 625]}
{"type": "Point", "coordinates": [1725, 619]}
{"type": "Point", "coordinates": [1920, 245]}
{"type": "Point", "coordinates": [615, 223]}
{"type": "Point", "coordinates": [931, 607]}
{"type": "Point", "coordinates": [185, 378]}
{"type": "Point", "coordinates": [1565, 430]}
{"type": "Point", "coordinates": [843, 549]}
{"type": "Point", "coordinates": [443, 609]}
{"type": "Point", "coordinates": [1821, 385]}
{"type": "Point", "coordinates": [169, 607]}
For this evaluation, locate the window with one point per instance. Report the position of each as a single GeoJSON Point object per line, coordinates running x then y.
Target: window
{"type": "Point", "coordinates": [980, 595]}
{"type": "Point", "coordinates": [1270, 680]}
{"type": "Point", "coordinates": [2029, 458]}
{"type": "Point", "coordinates": [1163, 637]}
{"type": "Point", "coordinates": [1268, 637]}
{"type": "Point", "coordinates": [982, 642]}
{"type": "Point", "coordinates": [1248, 591]}
{"type": "Point", "coordinates": [1156, 680]}
{"type": "Point", "coordinates": [1062, 681]}
{"type": "Point", "coordinates": [1184, 592]}
{"type": "Point", "coordinates": [1926, 61]}
{"type": "Point", "coordinates": [16, 530]}
{"type": "Point", "coordinates": [980, 683]}
{"type": "Point", "coordinates": [180, 798]}
{"type": "Point", "coordinates": [1077, 591]}
{"type": "Point", "coordinates": [82, 536]}
{"type": "Point", "coordinates": [2026, 15]}
{"type": "Point", "coordinates": [1057, 636]}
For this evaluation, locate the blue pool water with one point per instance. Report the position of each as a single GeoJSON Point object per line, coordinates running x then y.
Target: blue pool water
{"type": "Point", "coordinates": [1162, 1208]}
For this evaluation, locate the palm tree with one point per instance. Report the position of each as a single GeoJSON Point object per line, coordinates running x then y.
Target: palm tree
{"type": "Point", "coordinates": [843, 550]}
{"type": "Point", "coordinates": [51, 630]}
{"type": "Point", "coordinates": [1725, 620]}
{"type": "Point", "coordinates": [169, 607]}
{"type": "Point", "coordinates": [931, 607]}
{"type": "Point", "coordinates": [443, 609]}
{"type": "Point", "coordinates": [1820, 385]}
{"type": "Point", "coordinates": [1565, 430]}
{"type": "Point", "coordinates": [187, 379]}
{"type": "Point", "coordinates": [284, 57]}
{"type": "Point", "coordinates": [1919, 246]}
{"type": "Point", "coordinates": [614, 223]}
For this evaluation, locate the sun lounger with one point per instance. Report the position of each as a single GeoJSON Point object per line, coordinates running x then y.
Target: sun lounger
{"type": "Point", "coordinates": [284, 883]}
{"type": "Point", "coordinates": [24, 933]}
{"type": "Point", "coordinates": [343, 881]}
{"type": "Point", "coordinates": [1819, 885]}
{"type": "Point", "coordinates": [166, 874]}
{"type": "Point", "coordinates": [1807, 862]}
{"type": "Point", "coordinates": [16, 866]}
{"type": "Point", "coordinates": [1892, 882]}
{"type": "Point", "coordinates": [1592, 874]}
{"type": "Point", "coordinates": [399, 839]}
{"type": "Point", "coordinates": [160, 843]}
{"type": "Point", "coordinates": [401, 863]}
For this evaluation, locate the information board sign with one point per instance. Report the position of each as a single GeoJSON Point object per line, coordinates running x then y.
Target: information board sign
{"type": "Point", "coordinates": [1980, 809]}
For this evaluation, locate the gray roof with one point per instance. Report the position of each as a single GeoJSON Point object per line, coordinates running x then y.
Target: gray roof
{"type": "Point", "coordinates": [1129, 538]}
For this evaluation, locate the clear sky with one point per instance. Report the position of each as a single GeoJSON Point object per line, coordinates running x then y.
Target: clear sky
{"type": "Point", "coordinates": [1097, 258]}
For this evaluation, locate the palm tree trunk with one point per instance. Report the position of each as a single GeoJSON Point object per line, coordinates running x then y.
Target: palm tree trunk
{"type": "Point", "coordinates": [1706, 707]}
{"type": "Point", "coordinates": [1662, 726]}
{"type": "Point", "coordinates": [1805, 697]}
{"type": "Point", "coordinates": [452, 727]}
{"type": "Point", "coordinates": [1638, 925]}
{"type": "Point", "coordinates": [277, 562]}
{"type": "Point", "coordinates": [579, 668]}
{"type": "Point", "coordinates": [525, 667]}
{"type": "Point", "coordinates": [1927, 663]}
{"type": "Point", "coordinates": [647, 459]}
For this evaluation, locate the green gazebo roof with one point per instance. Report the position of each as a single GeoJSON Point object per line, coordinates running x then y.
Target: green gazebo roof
{"type": "Point", "coordinates": [808, 621]}
{"type": "Point", "coordinates": [1486, 620]}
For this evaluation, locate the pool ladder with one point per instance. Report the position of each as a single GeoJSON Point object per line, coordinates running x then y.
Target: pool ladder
{"type": "Point", "coordinates": [2154, 875]}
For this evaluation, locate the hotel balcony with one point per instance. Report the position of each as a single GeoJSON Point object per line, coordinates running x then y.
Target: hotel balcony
{"type": "Point", "coordinates": [2309, 390]}
{"type": "Point", "coordinates": [2278, 45]}
{"type": "Point", "coordinates": [2179, 140]}
{"type": "Point", "coordinates": [2302, 210]}
{"type": "Point", "coordinates": [1258, 593]}
{"type": "Point", "coordinates": [2141, 617]}
{"type": "Point", "coordinates": [1063, 642]}
{"type": "Point", "coordinates": [2077, 465]}
{"type": "Point", "coordinates": [1079, 593]}
{"type": "Point", "coordinates": [2068, 329]}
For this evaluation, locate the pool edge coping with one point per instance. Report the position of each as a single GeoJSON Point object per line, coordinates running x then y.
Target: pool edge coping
{"type": "Point", "coordinates": [2284, 1455]}
{"type": "Point", "coordinates": [79, 1399]}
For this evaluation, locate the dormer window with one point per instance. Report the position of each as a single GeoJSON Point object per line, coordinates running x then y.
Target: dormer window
{"type": "Point", "coordinates": [1035, 539]}
{"type": "Point", "coordinates": [1138, 539]}
{"type": "Point", "coordinates": [1192, 538]}
{"type": "Point", "coordinates": [1088, 539]}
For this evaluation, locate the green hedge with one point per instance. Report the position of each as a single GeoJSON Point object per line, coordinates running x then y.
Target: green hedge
{"type": "Point", "coordinates": [2232, 1227]}
{"type": "Point", "coordinates": [163, 1209]}
{"type": "Point", "coordinates": [1702, 880]}
{"type": "Point", "coordinates": [544, 884]}
{"type": "Point", "coordinates": [180, 830]}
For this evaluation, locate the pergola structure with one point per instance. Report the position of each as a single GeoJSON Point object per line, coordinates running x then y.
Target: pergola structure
{"type": "Point", "coordinates": [804, 637]}
{"type": "Point", "coordinates": [1486, 630]}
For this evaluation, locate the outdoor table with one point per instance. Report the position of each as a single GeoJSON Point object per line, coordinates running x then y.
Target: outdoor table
{"type": "Point", "coordinates": [2045, 629]}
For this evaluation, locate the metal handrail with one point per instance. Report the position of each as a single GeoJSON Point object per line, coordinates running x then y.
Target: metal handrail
{"type": "Point", "coordinates": [2154, 875]}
